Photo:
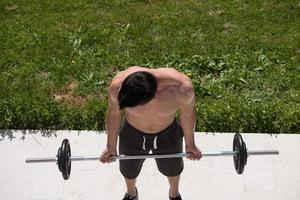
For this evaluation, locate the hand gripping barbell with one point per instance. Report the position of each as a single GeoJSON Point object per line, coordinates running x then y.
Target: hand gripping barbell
{"type": "Point", "coordinates": [239, 153]}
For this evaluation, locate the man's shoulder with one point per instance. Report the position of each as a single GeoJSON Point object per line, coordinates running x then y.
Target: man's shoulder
{"type": "Point", "coordinates": [161, 70]}
{"type": "Point", "coordinates": [118, 79]}
{"type": "Point", "coordinates": [123, 74]}
{"type": "Point", "coordinates": [168, 70]}
{"type": "Point", "coordinates": [172, 72]}
{"type": "Point", "coordinates": [161, 73]}
{"type": "Point", "coordinates": [175, 77]}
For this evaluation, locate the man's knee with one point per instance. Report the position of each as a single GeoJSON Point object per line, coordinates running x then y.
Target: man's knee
{"type": "Point", "coordinates": [170, 166]}
{"type": "Point", "coordinates": [130, 169]}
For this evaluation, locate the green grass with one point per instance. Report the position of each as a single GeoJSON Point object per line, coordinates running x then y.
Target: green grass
{"type": "Point", "coordinates": [243, 57]}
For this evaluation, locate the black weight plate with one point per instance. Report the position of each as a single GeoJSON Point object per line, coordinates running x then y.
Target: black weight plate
{"type": "Point", "coordinates": [245, 153]}
{"type": "Point", "coordinates": [59, 159]}
{"type": "Point", "coordinates": [236, 157]}
{"type": "Point", "coordinates": [68, 167]}
{"type": "Point", "coordinates": [66, 153]}
{"type": "Point", "coordinates": [239, 157]}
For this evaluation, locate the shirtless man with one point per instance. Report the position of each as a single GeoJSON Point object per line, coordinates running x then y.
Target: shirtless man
{"type": "Point", "coordinates": [151, 98]}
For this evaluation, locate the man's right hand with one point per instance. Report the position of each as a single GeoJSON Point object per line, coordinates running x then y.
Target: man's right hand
{"type": "Point", "coordinates": [106, 156]}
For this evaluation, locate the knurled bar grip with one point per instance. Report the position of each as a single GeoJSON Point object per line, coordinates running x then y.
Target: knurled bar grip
{"type": "Point", "coordinates": [131, 157]}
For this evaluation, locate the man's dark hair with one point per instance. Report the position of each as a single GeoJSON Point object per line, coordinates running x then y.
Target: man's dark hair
{"type": "Point", "coordinates": [137, 89]}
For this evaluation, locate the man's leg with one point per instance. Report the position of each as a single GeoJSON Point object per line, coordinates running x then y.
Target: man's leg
{"type": "Point", "coordinates": [131, 185]}
{"type": "Point", "coordinates": [130, 170]}
{"type": "Point", "coordinates": [174, 185]}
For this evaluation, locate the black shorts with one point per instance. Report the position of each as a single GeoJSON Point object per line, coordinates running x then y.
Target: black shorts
{"type": "Point", "coordinates": [135, 142]}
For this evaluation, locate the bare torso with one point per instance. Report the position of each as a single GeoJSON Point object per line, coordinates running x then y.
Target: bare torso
{"type": "Point", "coordinates": [157, 114]}
{"type": "Point", "coordinates": [160, 111]}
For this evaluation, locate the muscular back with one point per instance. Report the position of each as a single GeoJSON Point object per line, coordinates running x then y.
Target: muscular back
{"type": "Point", "coordinates": [174, 91]}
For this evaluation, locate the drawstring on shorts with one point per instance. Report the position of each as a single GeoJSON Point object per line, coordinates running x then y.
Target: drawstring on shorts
{"type": "Point", "coordinates": [154, 143]}
{"type": "Point", "coordinates": [144, 143]}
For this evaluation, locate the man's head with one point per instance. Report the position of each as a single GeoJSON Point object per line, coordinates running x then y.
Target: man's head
{"type": "Point", "coordinates": [137, 89]}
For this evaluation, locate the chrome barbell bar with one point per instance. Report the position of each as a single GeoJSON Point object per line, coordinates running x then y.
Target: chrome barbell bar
{"type": "Point", "coordinates": [131, 157]}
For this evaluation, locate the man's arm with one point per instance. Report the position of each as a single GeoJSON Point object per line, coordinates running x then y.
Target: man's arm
{"type": "Point", "coordinates": [113, 122]}
{"type": "Point", "coordinates": [187, 115]}
{"type": "Point", "coordinates": [187, 119]}
{"type": "Point", "coordinates": [113, 115]}
{"type": "Point", "coordinates": [113, 119]}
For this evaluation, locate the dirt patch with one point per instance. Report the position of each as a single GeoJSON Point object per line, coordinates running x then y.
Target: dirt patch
{"type": "Point", "coordinates": [204, 78]}
{"type": "Point", "coordinates": [227, 27]}
{"type": "Point", "coordinates": [67, 95]}
{"type": "Point", "coordinates": [12, 7]}
{"type": "Point", "coordinates": [215, 13]}
{"type": "Point", "coordinates": [44, 75]}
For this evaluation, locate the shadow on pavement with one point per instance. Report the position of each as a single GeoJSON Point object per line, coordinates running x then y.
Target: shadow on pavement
{"type": "Point", "coordinates": [11, 134]}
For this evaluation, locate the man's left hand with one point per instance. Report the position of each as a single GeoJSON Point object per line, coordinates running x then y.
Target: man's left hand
{"type": "Point", "coordinates": [194, 151]}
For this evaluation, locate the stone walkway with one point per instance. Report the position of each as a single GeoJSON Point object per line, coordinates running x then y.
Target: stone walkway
{"type": "Point", "coordinates": [264, 178]}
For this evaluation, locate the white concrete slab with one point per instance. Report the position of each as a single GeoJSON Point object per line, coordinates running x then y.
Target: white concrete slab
{"type": "Point", "coordinates": [264, 178]}
{"type": "Point", "coordinates": [15, 191]}
{"type": "Point", "coordinates": [229, 186]}
{"type": "Point", "coordinates": [259, 180]}
{"type": "Point", "coordinates": [287, 178]}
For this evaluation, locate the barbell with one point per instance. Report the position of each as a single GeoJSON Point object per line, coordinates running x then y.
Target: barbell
{"type": "Point", "coordinates": [239, 153]}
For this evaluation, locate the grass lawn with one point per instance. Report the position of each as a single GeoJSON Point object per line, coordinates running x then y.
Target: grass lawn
{"type": "Point", "coordinates": [58, 57]}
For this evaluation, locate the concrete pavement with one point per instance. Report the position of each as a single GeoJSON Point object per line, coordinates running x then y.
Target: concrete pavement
{"type": "Point", "coordinates": [264, 178]}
